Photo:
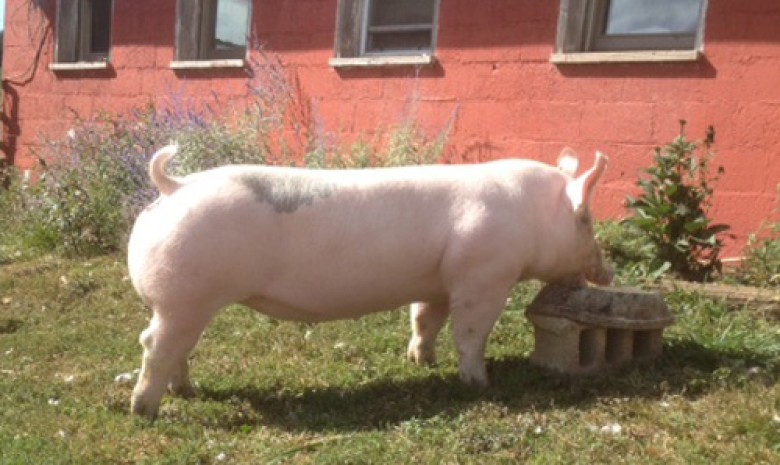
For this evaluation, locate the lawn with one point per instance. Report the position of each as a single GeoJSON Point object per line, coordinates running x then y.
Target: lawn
{"type": "Point", "coordinates": [279, 392]}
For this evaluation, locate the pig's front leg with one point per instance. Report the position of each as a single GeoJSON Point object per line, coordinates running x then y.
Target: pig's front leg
{"type": "Point", "coordinates": [427, 320]}
{"type": "Point", "coordinates": [180, 384]}
{"type": "Point", "coordinates": [474, 313]}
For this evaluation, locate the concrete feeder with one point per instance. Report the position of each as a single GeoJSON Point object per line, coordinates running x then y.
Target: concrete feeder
{"type": "Point", "coordinates": [587, 330]}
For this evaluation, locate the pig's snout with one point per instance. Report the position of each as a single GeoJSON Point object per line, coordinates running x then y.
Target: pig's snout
{"type": "Point", "coordinates": [598, 271]}
{"type": "Point", "coordinates": [601, 276]}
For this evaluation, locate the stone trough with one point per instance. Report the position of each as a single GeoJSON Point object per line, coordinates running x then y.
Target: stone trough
{"type": "Point", "coordinates": [588, 330]}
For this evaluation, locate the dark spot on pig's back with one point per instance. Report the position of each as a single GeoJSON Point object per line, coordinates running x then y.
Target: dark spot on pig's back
{"type": "Point", "coordinates": [285, 194]}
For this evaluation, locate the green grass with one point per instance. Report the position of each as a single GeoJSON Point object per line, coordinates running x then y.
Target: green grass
{"type": "Point", "coordinates": [277, 392]}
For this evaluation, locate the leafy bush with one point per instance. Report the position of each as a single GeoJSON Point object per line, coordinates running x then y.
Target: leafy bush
{"type": "Point", "coordinates": [94, 182]}
{"type": "Point", "coordinates": [672, 208]}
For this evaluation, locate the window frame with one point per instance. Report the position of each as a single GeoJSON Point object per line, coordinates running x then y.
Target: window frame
{"type": "Point", "coordinates": [352, 36]}
{"type": "Point", "coordinates": [581, 39]}
{"type": "Point", "coordinates": [366, 31]}
{"type": "Point", "coordinates": [85, 32]}
{"type": "Point", "coordinates": [74, 34]}
{"type": "Point", "coordinates": [196, 36]}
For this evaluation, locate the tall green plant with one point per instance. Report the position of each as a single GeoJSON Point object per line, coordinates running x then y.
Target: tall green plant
{"type": "Point", "coordinates": [672, 209]}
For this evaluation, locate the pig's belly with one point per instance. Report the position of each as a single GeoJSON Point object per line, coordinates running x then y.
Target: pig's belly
{"type": "Point", "coordinates": [336, 304]}
{"type": "Point", "coordinates": [285, 311]}
{"type": "Point", "coordinates": [295, 284]}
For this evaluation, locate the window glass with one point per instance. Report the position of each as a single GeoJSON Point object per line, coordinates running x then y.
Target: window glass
{"type": "Point", "coordinates": [388, 42]}
{"type": "Point", "coordinates": [231, 24]}
{"type": "Point", "coordinates": [627, 17]}
{"type": "Point", "coordinates": [401, 12]}
{"type": "Point", "coordinates": [400, 26]}
{"type": "Point", "coordinates": [100, 26]}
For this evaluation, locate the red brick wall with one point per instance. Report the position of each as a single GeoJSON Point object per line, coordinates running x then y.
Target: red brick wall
{"type": "Point", "coordinates": [493, 67]}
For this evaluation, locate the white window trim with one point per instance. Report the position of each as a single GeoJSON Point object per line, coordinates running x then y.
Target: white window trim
{"type": "Point", "coordinates": [648, 56]}
{"type": "Point", "coordinates": [382, 60]}
{"type": "Point", "coordinates": [208, 64]}
{"type": "Point", "coordinates": [80, 66]}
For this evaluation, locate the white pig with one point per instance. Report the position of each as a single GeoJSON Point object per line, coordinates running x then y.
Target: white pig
{"type": "Point", "coordinates": [317, 245]}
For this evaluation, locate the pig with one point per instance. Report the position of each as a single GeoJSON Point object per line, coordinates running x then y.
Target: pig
{"type": "Point", "coordinates": [318, 245]}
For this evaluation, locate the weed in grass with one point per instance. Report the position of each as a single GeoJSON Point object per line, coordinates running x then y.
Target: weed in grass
{"type": "Point", "coordinates": [761, 266]}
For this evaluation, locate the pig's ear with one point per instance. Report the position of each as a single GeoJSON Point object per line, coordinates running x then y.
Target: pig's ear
{"type": "Point", "coordinates": [581, 189]}
{"type": "Point", "coordinates": [568, 161]}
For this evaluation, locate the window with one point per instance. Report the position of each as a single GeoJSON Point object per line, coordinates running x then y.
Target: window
{"type": "Point", "coordinates": [642, 25]}
{"type": "Point", "coordinates": [399, 27]}
{"type": "Point", "coordinates": [212, 29]}
{"type": "Point", "coordinates": [588, 26]}
{"type": "Point", "coordinates": [83, 31]}
{"type": "Point", "coordinates": [386, 31]}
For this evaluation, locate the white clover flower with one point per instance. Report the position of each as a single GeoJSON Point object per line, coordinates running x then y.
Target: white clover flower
{"type": "Point", "coordinates": [124, 378]}
{"type": "Point", "coordinates": [612, 428]}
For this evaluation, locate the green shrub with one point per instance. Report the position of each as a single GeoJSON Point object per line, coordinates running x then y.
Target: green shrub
{"type": "Point", "coordinates": [672, 208]}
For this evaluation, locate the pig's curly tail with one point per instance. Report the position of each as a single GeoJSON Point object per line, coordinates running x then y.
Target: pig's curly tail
{"type": "Point", "coordinates": [167, 185]}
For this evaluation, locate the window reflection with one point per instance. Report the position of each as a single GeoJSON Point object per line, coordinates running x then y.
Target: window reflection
{"type": "Point", "coordinates": [231, 24]}
{"type": "Point", "coordinates": [653, 17]}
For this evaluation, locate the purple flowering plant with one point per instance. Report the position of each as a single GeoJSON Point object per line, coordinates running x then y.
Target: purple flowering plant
{"type": "Point", "coordinates": [93, 183]}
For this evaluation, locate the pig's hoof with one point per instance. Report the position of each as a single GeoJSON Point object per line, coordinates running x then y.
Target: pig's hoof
{"type": "Point", "coordinates": [478, 380]}
{"type": "Point", "coordinates": [420, 355]}
{"type": "Point", "coordinates": [185, 391]}
{"type": "Point", "coordinates": [142, 409]}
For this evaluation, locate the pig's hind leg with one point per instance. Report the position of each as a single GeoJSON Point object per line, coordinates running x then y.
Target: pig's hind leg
{"type": "Point", "coordinates": [167, 343]}
{"type": "Point", "coordinates": [427, 320]}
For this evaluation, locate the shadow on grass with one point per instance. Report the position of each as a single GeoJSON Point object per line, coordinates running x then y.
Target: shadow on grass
{"type": "Point", "coordinates": [9, 325]}
{"type": "Point", "coordinates": [685, 368]}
